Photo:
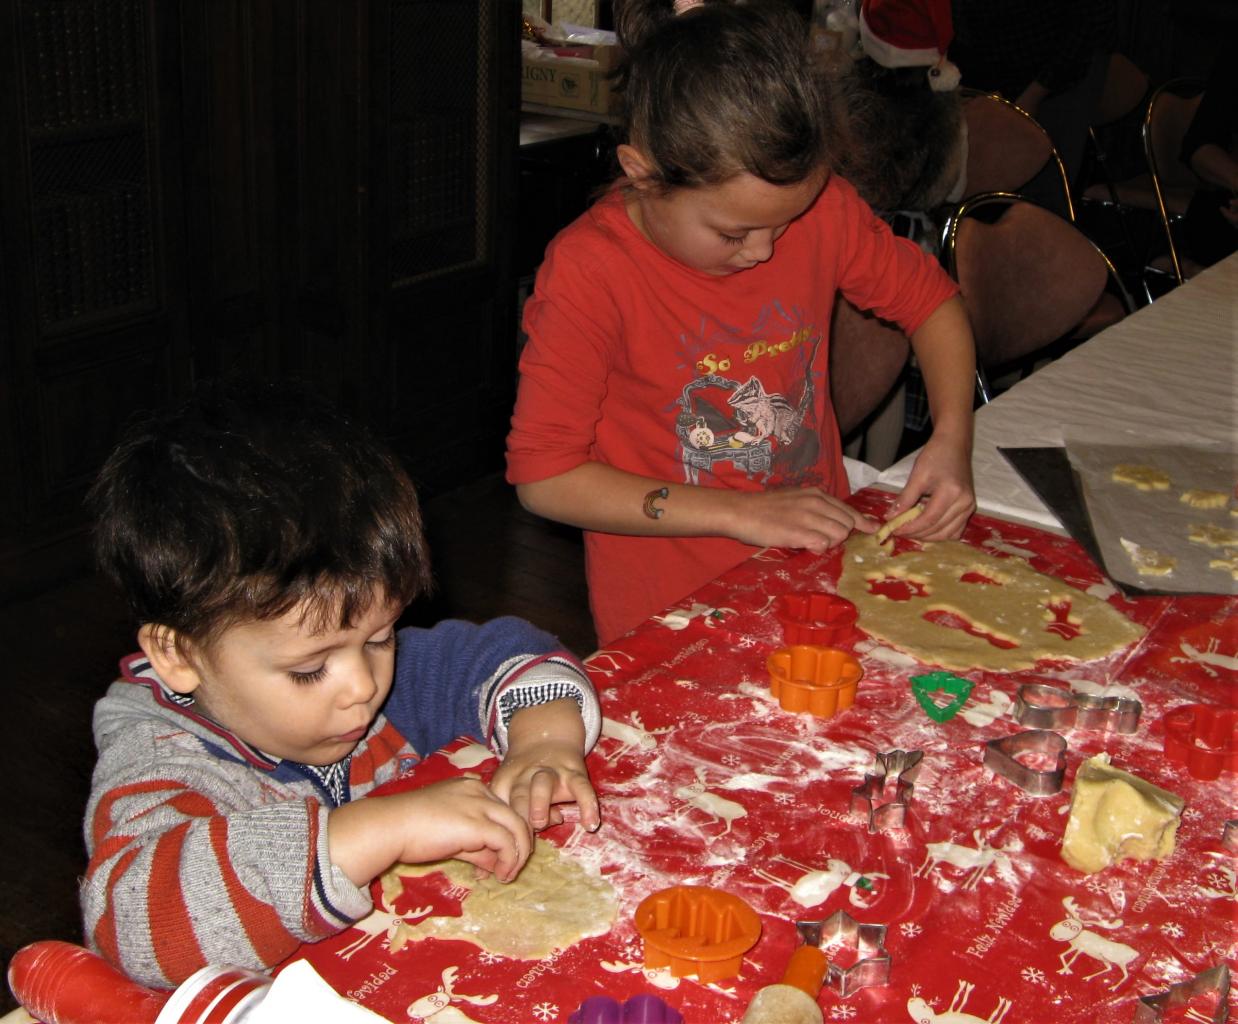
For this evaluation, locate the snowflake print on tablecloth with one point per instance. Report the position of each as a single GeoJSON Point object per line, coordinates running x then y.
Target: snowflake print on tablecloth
{"type": "Point", "coordinates": [1033, 975]}
{"type": "Point", "coordinates": [745, 643]}
{"type": "Point", "coordinates": [1173, 929]}
{"type": "Point", "coordinates": [1192, 813]}
{"type": "Point", "coordinates": [785, 799]}
{"type": "Point", "coordinates": [842, 1012]}
{"type": "Point", "coordinates": [545, 1011]}
{"type": "Point", "coordinates": [1096, 885]}
{"type": "Point", "coordinates": [911, 930]}
{"type": "Point", "coordinates": [732, 760]}
{"type": "Point", "coordinates": [783, 575]}
{"type": "Point", "coordinates": [488, 957]}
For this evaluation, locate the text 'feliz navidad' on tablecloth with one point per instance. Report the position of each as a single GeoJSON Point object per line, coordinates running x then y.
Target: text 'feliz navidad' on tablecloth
{"type": "Point", "coordinates": [705, 780]}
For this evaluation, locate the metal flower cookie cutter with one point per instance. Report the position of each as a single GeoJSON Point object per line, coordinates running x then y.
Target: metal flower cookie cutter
{"type": "Point", "coordinates": [901, 766]}
{"type": "Point", "coordinates": [815, 617]}
{"type": "Point", "coordinates": [1003, 757]}
{"type": "Point", "coordinates": [1040, 706]}
{"type": "Point", "coordinates": [693, 929]}
{"type": "Point", "coordinates": [1210, 988]}
{"type": "Point", "coordinates": [821, 680]}
{"type": "Point", "coordinates": [871, 963]}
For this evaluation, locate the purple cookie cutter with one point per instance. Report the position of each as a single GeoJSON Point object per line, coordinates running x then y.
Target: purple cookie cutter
{"type": "Point", "coordinates": [639, 1009]}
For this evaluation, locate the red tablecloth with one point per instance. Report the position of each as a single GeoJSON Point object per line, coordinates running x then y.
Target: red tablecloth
{"type": "Point", "coordinates": [972, 892]}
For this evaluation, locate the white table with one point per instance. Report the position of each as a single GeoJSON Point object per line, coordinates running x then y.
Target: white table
{"type": "Point", "coordinates": [1166, 375]}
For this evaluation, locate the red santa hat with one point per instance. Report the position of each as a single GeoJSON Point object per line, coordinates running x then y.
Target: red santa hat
{"type": "Point", "coordinates": [910, 34]}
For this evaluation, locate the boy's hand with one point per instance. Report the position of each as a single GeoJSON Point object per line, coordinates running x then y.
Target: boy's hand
{"type": "Point", "coordinates": [796, 517]}
{"type": "Point", "coordinates": [459, 818]}
{"type": "Point", "coordinates": [545, 766]}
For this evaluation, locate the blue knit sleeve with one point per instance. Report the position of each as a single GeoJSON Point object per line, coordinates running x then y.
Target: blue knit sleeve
{"type": "Point", "coordinates": [447, 677]}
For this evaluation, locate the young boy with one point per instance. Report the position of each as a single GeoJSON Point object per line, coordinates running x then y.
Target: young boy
{"type": "Point", "coordinates": [267, 547]}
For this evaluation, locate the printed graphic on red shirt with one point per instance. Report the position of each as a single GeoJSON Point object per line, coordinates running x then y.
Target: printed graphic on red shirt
{"type": "Point", "coordinates": [752, 407]}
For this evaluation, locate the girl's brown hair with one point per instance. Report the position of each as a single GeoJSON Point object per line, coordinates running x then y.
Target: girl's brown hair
{"type": "Point", "coordinates": [724, 88]}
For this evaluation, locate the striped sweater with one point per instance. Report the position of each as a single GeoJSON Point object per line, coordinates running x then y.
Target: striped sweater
{"type": "Point", "coordinates": [204, 850]}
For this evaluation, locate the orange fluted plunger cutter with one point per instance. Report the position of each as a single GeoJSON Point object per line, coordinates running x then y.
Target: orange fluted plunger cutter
{"type": "Point", "coordinates": [794, 999]}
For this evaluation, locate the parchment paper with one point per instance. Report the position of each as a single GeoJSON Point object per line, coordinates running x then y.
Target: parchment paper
{"type": "Point", "coordinates": [1159, 520]}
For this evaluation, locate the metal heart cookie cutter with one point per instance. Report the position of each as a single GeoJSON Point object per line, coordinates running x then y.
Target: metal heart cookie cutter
{"type": "Point", "coordinates": [872, 962]}
{"type": "Point", "coordinates": [901, 766]}
{"type": "Point", "coordinates": [1040, 706]}
{"type": "Point", "coordinates": [1001, 756]}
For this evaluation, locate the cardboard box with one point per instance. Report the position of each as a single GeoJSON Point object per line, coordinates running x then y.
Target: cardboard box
{"type": "Point", "coordinates": [574, 83]}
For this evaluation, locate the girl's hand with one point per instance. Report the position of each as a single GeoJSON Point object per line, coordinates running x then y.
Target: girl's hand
{"type": "Point", "coordinates": [545, 767]}
{"type": "Point", "coordinates": [943, 472]}
{"type": "Point", "coordinates": [458, 818]}
{"type": "Point", "coordinates": [795, 517]}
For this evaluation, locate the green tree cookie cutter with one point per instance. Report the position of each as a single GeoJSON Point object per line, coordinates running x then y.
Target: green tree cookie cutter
{"type": "Point", "coordinates": [925, 686]}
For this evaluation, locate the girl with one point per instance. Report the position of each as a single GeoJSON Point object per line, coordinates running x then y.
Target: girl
{"type": "Point", "coordinates": [674, 398]}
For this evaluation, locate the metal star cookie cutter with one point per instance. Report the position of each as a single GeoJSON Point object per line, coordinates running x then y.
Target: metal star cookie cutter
{"type": "Point", "coordinates": [1212, 982]}
{"type": "Point", "coordinates": [872, 965]}
{"type": "Point", "coordinates": [1001, 756]}
{"type": "Point", "coordinates": [1040, 706]}
{"type": "Point", "coordinates": [902, 766]}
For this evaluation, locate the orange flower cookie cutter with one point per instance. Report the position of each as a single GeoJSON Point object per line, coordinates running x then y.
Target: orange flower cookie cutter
{"type": "Point", "coordinates": [807, 677]}
{"type": "Point", "coordinates": [693, 929]}
{"type": "Point", "coordinates": [815, 617]}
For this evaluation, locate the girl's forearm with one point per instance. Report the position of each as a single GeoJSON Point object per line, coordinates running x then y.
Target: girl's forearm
{"type": "Point", "coordinates": [946, 353]}
{"type": "Point", "coordinates": [594, 496]}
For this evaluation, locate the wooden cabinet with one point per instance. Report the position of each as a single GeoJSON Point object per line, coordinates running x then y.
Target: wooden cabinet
{"type": "Point", "coordinates": [317, 188]}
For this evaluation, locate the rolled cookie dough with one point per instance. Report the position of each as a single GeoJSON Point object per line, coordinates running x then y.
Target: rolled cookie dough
{"type": "Point", "coordinates": [552, 904]}
{"type": "Point", "coordinates": [1030, 615]}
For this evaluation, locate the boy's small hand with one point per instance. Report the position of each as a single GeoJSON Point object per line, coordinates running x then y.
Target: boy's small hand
{"type": "Point", "coordinates": [545, 766]}
{"type": "Point", "coordinates": [459, 818]}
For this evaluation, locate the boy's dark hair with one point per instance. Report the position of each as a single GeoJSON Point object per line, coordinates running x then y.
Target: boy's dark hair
{"type": "Point", "coordinates": [249, 500]}
{"type": "Point", "coordinates": [724, 88]}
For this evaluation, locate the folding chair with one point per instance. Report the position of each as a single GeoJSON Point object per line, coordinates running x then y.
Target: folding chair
{"type": "Point", "coordinates": [1028, 278]}
{"type": "Point", "coordinates": [1007, 147]}
{"type": "Point", "coordinates": [1164, 190]}
{"type": "Point", "coordinates": [867, 359]}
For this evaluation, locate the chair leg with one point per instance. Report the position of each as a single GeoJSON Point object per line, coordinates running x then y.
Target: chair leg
{"type": "Point", "coordinates": [982, 385]}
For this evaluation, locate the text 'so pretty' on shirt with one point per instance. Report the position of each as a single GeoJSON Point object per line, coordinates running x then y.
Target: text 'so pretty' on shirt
{"type": "Point", "coordinates": [642, 363]}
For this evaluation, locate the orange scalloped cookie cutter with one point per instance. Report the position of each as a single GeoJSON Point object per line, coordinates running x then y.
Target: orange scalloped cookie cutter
{"type": "Point", "coordinates": [807, 677]}
{"type": "Point", "coordinates": [693, 929]}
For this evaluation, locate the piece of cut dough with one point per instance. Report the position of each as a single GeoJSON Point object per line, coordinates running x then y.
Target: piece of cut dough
{"type": "Point", "coordinates": [1148, 562]}
{"type": "Point", "coordinates": [553, 903]}
{"type": "Point", "coordinates": [1115, 815]}
{"type": "Point", "coordinates": [1146, 478]}
{"type": "Point", "coordinates": [903, 517]}
{"type": "Point", "coordinates": [1014, 607]}
{"type": "Point", "coordinates": [1204, 499]}
{"type": "Point", "coordinates": [1212, 535]}
{"type": "Point", "coordinates": [1227, 564]}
